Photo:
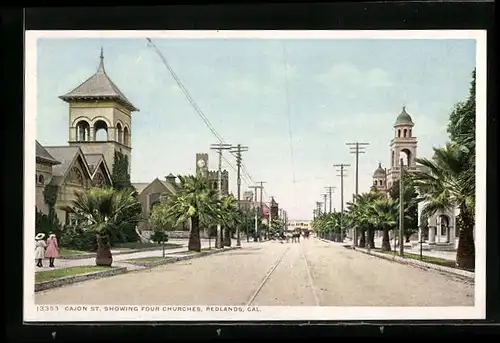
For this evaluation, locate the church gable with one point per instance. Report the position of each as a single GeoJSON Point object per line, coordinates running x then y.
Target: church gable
{"type": "Point", "coordinates": [101, 177]}
{"type": "Point", "coordinates": [78, 173]}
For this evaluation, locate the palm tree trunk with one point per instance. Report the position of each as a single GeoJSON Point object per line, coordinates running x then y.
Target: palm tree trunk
{"type": "Point", "coordinates": [227, 237]}
{"type": "Point", "coordinates": [356, 234]}
{"type": "Point", "coordinates": [194, 243]}
{"type": "Point", "coordinates": [466, 251]}
{"type": "Point", "coordinates": [103, 256]}
{"type": "Point", "coordinates": [362, 238]}
{"type": "Point", "coordinates": [386, 242]}
{"type": "Point", "coordinates": [372, 239]}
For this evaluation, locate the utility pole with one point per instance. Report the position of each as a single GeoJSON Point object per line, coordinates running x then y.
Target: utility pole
{"type": "Point", "coordinates": [318, 208]}
{"type": "Point", "coordinates": [219, 148]}
{"type": "Point", "coordinates": [401, 208]}
{"type": "Point", "coordinates": [237, 150]}
{"type": "Point", "coordinates": [270, 217]}
{"type": "Point", "coordinates": [256, 211]}
{"type": "Point", "coordinates": [356, 148]}
{"type": "Point", "coordinates": [261, 187]}
{"type": "Point", "coordinates": [342, 175]}
{"type": "Point", "coordinates": [330, 191]}
{"type": "Point", "coordinates": [324, 200]}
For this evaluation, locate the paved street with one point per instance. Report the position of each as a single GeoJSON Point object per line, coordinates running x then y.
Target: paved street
{"type": "Point", "coordinates": [271, 274]}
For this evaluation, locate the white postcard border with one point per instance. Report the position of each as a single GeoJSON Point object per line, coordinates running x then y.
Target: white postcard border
{"type": "Point", "coordinates": [33, 312]}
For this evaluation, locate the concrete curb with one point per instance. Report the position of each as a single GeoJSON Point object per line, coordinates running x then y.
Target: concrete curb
{"type": "Point", "coordinates": [93, 254]}
{"type": "Point", "coordinates": [189, 256]}
{"type": "Point", "coordinates": [78, 278]}
{"type": "Point", "coordinates": [463, 274]}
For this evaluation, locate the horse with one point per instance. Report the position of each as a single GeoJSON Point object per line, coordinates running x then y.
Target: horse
{"type": "Point", "coordinates": [296, 237]}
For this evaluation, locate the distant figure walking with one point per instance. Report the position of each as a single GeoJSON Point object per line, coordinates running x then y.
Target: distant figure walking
{"type": "Point", "coordinates": [52, 251]}
{"type": "Point", "coordinates": [39, 249]}
{"type": "Point", "coordinates": [296, 237]}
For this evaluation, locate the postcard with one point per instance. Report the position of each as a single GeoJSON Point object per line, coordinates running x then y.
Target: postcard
{"type": "Point", "coordinates": [254, 175]}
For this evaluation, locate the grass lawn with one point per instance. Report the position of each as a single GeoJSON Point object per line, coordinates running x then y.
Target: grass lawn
{"type": "Point", "coordinates": [66, 252]}
{"type": "Point", "coordinates": [429, 259]}
{"type": "Point", "coordinates": [146, 259]}
{"type": "Point", "coordinates": [64, 272]}
{"type": "Point", "coordinates": [140, 245]}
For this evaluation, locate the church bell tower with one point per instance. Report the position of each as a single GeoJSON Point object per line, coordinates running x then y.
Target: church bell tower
{"type": "Point", "coordinates": [100, 117]}
{"type": "Point", "coordinates": [403, 142]}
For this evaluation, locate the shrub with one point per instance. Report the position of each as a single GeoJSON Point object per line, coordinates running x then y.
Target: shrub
{"type": "Point", "coordinates": [78, 239]}
{"type": "Point", "coordinates": [47, 223]}
{"type": "Point", "coordinates": [159, 237]}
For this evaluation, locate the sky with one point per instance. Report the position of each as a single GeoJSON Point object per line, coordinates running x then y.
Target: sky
{"type": "Point", "coordinates": [294, 103]}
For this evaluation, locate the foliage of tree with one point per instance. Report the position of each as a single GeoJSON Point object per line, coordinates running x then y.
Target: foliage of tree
{"type": "Point", "coordinates": [447, 180]}
{"type": "Point", "coordinates": [46, 223]}
{"type": "Point", "coordinates": [327, 226]}
{"type": "Point", "coordinates": [160, 222]}
{"type": "Point", "coordinates": [97, 210]}
{"type": "Point", "coordinates": [125, 229]}
{"type": "Point", "coordinates": [194, 201]}
{"type": "Point", "coordinates": [410, 201]}
{"type": "Point", "coordinates": [120, 176]}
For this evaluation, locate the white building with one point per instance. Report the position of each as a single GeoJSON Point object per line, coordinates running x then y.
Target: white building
{"type": "Point", "coordinates": [295, 224]}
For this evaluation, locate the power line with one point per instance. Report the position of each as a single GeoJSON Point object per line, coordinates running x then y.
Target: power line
{"type": "Point", "coordinates": [237, 150]}
{"type": "Point", "coordinates": [342, 175]}
{"type": "Point", "coordinates": [287, 100]}
{"type": "Point", "coordinates": [356, 148]}
{"type": "Point", "coordinates": [191, 100]}
{"type": "Point", "coordinates": [219, 147]}
{"type": "Point", "coordinates": [330, 190]}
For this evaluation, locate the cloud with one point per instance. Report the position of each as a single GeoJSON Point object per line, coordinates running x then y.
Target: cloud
{"type": "Point", "coordinates": [343, 75]}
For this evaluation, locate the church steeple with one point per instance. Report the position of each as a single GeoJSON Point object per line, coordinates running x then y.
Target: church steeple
{"type": "Point", "coordinates": [99, 87]}
{"type": "Point", "coordinates": [101, 63]}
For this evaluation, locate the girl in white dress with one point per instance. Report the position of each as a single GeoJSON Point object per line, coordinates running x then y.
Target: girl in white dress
{"type": "Point", "coordinates": [40, 249]}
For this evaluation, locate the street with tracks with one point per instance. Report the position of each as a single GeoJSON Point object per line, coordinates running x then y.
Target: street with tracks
{"type": "Point", "coordinates": [309, 273]}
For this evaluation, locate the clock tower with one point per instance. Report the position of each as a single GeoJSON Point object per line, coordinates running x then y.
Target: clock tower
{"type": "Point", "coordinates": [202, 164]}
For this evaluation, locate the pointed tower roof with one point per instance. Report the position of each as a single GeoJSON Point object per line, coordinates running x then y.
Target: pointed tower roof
{"type": "Point", "coordinates": [100, 87]}
{"type": "Point", "coordinates": [379, 172]}
{"type": "Point", "coordinates": [404, 118]}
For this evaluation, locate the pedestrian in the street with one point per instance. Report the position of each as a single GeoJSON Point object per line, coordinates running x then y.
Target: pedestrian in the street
{"type": "Point", "coordinates": [40, 249]}
{"type": "Point", "coordinates": [52, 251]}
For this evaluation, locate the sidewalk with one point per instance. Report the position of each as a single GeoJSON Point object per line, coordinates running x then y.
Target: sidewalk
{"type": "Point", "coordinates": [118, 260]}
{"type": "Point", "coordinates": [447, 255]}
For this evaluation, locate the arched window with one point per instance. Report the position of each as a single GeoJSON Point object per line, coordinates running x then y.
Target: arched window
{"type": "Point", "coordinates": [399, 132]}
{"type": "Point", "coordinates": [41, 179]}
{"type": "Point", "coordinates": [404, 132]}
{"type": "Point", "coordinates": [126, 136]}
{"type": "Point", "coordinates": [101, 131]}
{"type": "Point", "coordinates": [409, 133]}
{"type": "Point", "coordinates": [75, 176]}
{"type": "Point", "coordinates": [119, 133]}
{"type": "Point", "coordinates": [82, 131]}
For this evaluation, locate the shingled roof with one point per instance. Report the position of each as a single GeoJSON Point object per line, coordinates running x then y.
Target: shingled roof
{"type": "Point", "coordinates": [42, 155]}
{"type": "Point", "coordinates": [99, 87]}
{"type": "Point", "coordinates": [66, 155]}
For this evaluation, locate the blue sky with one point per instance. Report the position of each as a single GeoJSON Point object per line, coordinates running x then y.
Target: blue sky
{"type": "Point", "coordinates": [327, 91]}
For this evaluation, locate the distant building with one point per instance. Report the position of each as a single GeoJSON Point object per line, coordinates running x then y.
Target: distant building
{"type": "Point", "coordinates": [296, 224]}
{"type": "Point", "coordinates": [212, 175]}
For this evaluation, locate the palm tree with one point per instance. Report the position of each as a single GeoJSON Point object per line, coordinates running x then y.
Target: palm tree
{"type": "Point", "coordinates": [195, 201]}
{"type": "Point", "coordinates": [230, 216]}
{"type": "Point", "coordinates": [98, 210]}
{"type": "Point", "coordinates": [384, 213]}
{"type": "Point", "coordinates": [360, 217]}
{"type": "Point", "coordinates": [444, 184]}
